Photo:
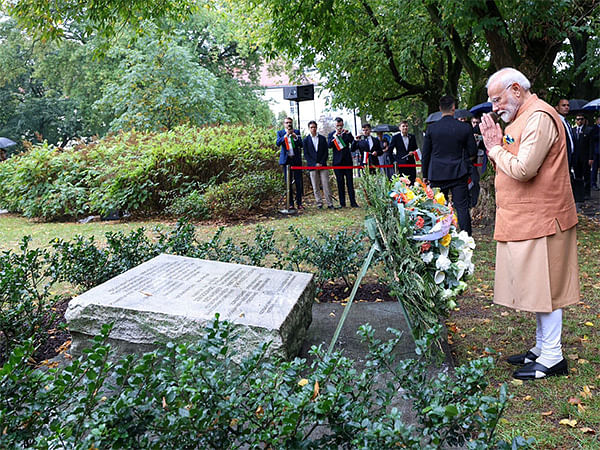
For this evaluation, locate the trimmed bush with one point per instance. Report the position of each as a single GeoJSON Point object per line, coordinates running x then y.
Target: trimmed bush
{"type": "Point", "coordinates": [141, 173]}
{"type": "Point", "coordinates": [239, 196]}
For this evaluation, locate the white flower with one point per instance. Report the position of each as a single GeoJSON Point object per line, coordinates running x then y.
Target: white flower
{"type": "Point", "coordinates": [465, 255]}
{"type": "Point", "coordinates": [443, 262]}
{"type": "Point", "coordinates": [427, 257]}
{"type": "Point", "coordinates": [447, 293]}
{"type": "Point", "coordinates": [439, 277]}
{"type": "Point", "coordinates": [444, 250]}
{"type": "Point", "coordinates": [470, 268]}
{"type": "Point", "coordinates": [468, 240]}
{"type": "Point", "coordinates": [461, 266]}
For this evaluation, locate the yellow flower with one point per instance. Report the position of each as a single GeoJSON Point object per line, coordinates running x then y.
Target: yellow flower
{"type": "Point", "coordinates": [445, 241]}
{"type": "Point", "coordinates": [409, 194]}
{"type": "Point", "coordinates": [439, 197]}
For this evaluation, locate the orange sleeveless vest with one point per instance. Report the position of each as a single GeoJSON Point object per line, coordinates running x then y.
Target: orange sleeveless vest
{"type": "Point", "coordinates": [528, 210]}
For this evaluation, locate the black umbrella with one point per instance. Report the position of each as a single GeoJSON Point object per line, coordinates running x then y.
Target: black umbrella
{"type": "Point", "coordinates": [576, 104]}
{"type": "Point", "coordinates": [594, 105]}
{"type": "Point", "coordinates": [485, 107]}
{"type": "Point", "coordinates": [433, 117]}
{"type": "Point", "coordinates": [460, 113]}
{"type": "Point", "coordinates": [385, 128]}
{"type": "Point", "coordinates": [6, 142]}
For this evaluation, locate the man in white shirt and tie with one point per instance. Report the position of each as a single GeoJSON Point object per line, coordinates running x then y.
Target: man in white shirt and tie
{"type": "Point", "coordinates": [316, 153]}
{"type": "Point", "coordinates": [582, 154]}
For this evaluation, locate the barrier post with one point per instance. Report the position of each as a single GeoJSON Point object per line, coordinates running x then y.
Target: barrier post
{"type": "Point", "coordinates": [288, 190]}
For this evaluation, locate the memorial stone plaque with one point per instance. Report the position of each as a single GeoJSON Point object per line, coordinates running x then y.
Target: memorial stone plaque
{"type": "Point", "coordinates": [171, 298]}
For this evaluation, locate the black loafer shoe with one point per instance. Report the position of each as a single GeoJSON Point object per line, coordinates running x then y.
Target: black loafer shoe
{"type": "Point", "coordinates": [529, 371]}
{"type": "Point", "coordinates": [523, 358]}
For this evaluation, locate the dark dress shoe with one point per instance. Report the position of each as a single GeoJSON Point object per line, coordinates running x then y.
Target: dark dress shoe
{"type": "Point", "coordinates": [523, 358]}
{"type": "Point", "coordinates": [528, 371]}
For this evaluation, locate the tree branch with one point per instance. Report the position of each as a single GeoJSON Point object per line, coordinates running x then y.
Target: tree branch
{"type": "Point", "coordinates": [387, 51]}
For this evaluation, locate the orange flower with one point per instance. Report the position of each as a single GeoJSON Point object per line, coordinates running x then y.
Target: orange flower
{"type": "Point", "coordinates": [419, 181]}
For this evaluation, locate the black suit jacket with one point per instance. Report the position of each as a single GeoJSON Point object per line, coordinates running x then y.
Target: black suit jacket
{"type": "Point", "coordinates": [341, 157]}
{"type": "Point", "coordinates": [363, 146]}
{"type": "Point", "coordinates": [314, 155]}
{"type": "Point", "coordinates": [582, 151]}
{"type": "Point", "coordinates": [402, 152]}
{"type": "Point", "coordinates": [447, 146]}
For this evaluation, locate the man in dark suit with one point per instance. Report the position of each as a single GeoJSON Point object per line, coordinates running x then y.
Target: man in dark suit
{"type": "Point", "coordinates": [290, 154]}
{"type": "Point", "coordinates": [595, 143]}
{"type": "Point", "coordinates": [447, 146]}
{"type": "Point", "coordinates": [582, 154]}
{"type": "Point", "coordinates": [562, 108]}
{"type": "Point", "coordinates": [340, 141]}
{"type": "Point", "coordinates": [400, 151]}
{"type": "Point", "coordinates": [316, 152]}
{"type": "Point", "coordinates": [369, 148]}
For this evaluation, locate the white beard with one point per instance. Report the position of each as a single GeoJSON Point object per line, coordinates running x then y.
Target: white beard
{"type": "Point", "coordinates": [509, 113]}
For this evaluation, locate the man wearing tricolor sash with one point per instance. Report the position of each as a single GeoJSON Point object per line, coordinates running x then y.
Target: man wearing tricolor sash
{"type": "Point", "coordinates": [369, 148]}
{"type": "Point", "coordinates": [535, 230]}
{"type": "Point", "coordinates": [290, 154]}
{"type": "Point", "coordinates": [340, 141]}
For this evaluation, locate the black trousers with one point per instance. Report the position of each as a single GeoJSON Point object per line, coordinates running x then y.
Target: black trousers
{"type": "Point", "coordinates": [296, 176]}
{"type": "Point", "coordinates": [459, 189]}
{"type": "Point", "coordinates": [343, 177]}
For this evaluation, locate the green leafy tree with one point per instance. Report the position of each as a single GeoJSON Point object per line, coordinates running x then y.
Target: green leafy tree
{"type": "Point", "coordinates": [160, 86]}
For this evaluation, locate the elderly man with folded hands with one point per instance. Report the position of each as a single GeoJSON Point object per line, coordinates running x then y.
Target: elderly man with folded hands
{"type": "Point", "coordinates": [536, 256]}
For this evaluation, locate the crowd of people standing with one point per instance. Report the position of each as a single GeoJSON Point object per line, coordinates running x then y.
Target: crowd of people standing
{"type": "Point", "coordinates": [583, 151]}
{"type": "Point", "coordinates": [399, 152]}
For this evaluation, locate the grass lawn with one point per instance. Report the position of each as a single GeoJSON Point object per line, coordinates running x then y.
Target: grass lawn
{"type": "Point", "coordinates": [537, 408]}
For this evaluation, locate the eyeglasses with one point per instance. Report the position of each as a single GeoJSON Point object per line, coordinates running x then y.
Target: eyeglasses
{"type": "Point", "coordinates": [497, 99]}
{"type": "Point", "coordinates": [579, 118]}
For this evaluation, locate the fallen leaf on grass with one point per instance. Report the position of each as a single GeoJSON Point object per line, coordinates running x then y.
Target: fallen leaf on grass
{"type": "Point", "coordinates": [582, 361]}
{"type": "Point", "coordinates": [589, 324]}
{"type": "Point", "coordinates": [587, 430]}
{"type": "Point", "coordinates": [573, 356]}
{"type": "Point", "coordinates": [568, 422]}
{"type": "Point", "coordinates": [504, 314]}
{"type": "Point", "coordinates": [528, 398]}
{"type": "Point", "coordinates": [547, 413]}
{"type": "Point", "coordinates": [574, 401]}
{"type": "Point", "coordinates": [586, 393]}
{"type": "Point", "coordinates": [517, 382]}
{"type": "Point", "coordinates": [303, 382]}
{"type": "Point", "coordinates": [580, 408]}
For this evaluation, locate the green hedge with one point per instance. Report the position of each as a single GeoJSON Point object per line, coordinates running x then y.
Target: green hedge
{"type": "Point", "coordinates": [141, 173]}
